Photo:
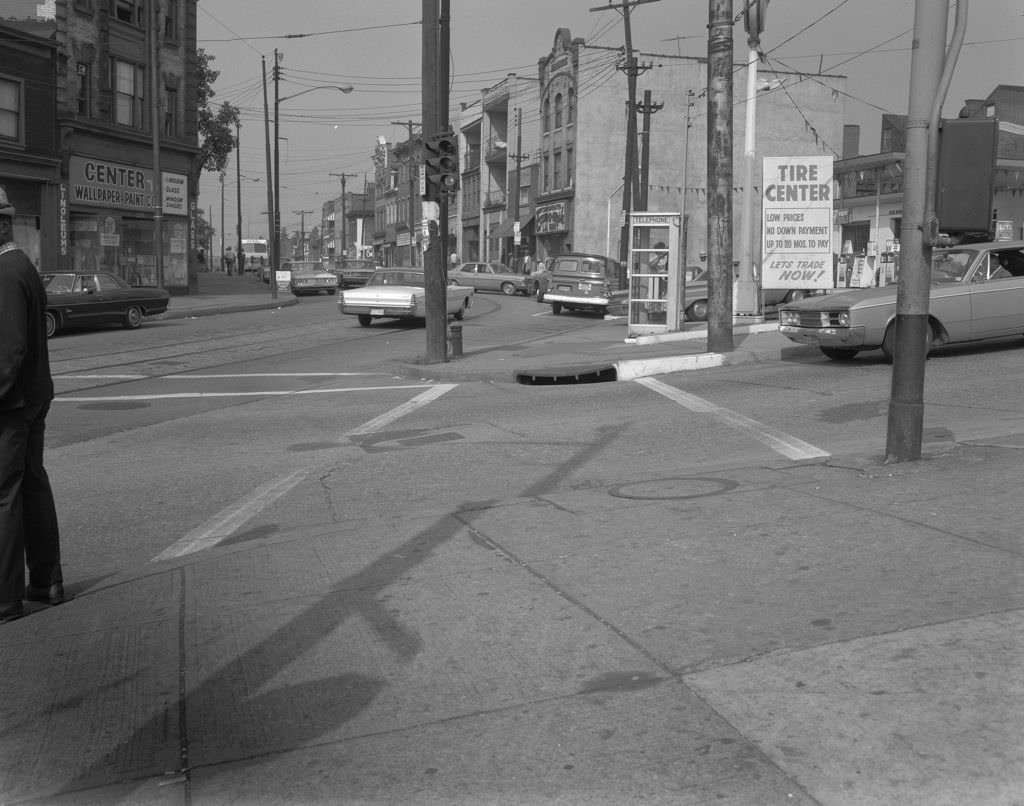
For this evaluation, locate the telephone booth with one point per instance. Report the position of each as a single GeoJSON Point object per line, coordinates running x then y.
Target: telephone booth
{"type": "Point", "coordinates": [654, 276]}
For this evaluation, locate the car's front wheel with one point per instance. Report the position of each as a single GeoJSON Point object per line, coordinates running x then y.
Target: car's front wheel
{"type": "Point", "coordinates": [132, 317]}
{"type": "Point", "coordinates": [838, 353]}
{"type": "Point", "coordinates": [508, 289]}
{"type": "Point", "coordinates": [52, 324]}
{"type": "Point", "coordinates": [364, 319]}
{"type": "Point", "coordinates": [889, 341]}
{"type": "Point", "coordinates": [698, 312]}
{"type": "Point", "coordinates": [556, 308]}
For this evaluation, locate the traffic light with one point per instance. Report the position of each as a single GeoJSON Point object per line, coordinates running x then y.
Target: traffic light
{"type": "Point", "coordinates": [441, 160]}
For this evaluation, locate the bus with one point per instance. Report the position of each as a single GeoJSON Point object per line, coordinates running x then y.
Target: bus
{"type": "Point", "coordinates": [257, 257]}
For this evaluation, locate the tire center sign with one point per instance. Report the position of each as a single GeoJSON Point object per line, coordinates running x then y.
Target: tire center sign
{"type": "Point", "coordinates": [797, 222]}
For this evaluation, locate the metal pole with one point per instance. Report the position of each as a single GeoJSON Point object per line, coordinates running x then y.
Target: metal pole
{"type": "Point", "coordinates": [746, 287]}
{"type": "Point", "coordinates": [158, 190]}
{"type": "Point", "coordinates": [913, 331]}
{"type": "Point", "coordinates": [433, 98]}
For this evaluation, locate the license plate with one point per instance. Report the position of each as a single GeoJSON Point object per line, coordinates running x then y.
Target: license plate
{"type": "Point", "coordinates": [584, 286]}
{"type": "Point", "coordinates": [376, 311]}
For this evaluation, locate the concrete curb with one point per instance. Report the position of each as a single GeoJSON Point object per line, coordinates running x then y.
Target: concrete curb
{"type": "Point", "coordinates": [213, 310]}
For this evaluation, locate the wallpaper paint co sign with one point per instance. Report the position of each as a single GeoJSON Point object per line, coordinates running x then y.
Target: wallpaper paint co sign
{"type": "Point", "coordinates": [797, 222]}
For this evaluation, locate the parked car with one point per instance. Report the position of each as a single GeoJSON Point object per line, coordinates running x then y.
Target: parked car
{"type": "Point", "coordinates": [585, 282]}
{"type": "Point", "coordinates": [399, 292]}
{"type": "Point", "coordinates": [353, 272]}
{"type": "Point", "coordinates": [310, 277]}
{"type": "Point", "coordinates": [491, 277]}
{"type": "Point", "coordinates": [696, 297]}
{"type": "Point", "coordinates": [977, 292]}
{"type": "Point", "coordinates": [76, 299]}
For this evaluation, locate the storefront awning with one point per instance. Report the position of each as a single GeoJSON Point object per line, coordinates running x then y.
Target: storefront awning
{"type": "Point", "coordinates": [506, 229]}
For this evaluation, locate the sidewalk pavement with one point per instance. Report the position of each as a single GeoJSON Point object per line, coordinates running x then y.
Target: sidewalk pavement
{"type": "Point", "coordinates": [833, 632]}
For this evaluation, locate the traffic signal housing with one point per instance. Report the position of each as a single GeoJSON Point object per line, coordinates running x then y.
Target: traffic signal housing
{"type": "Point", "coordinates": [441, 160]}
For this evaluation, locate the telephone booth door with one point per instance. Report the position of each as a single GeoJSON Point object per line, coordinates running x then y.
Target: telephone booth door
{"type": "Point", "coordinates": [654, 278]}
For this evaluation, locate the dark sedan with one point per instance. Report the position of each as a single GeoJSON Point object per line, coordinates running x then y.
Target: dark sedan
{"type": "Point", "coordinates": [78, 299]}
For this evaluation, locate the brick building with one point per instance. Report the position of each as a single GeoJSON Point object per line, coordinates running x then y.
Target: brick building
{"type": "Point", "coordinates": [126, 138]}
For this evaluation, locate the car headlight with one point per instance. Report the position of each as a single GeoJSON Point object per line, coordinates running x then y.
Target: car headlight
{"type": "Point", "coordinates": [789, 318]}
{"type": "Point", "coordinates": [842, 318]}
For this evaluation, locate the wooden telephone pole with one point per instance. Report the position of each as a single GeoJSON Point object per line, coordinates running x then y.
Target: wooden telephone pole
{"type": "Point", "coordinates": [630, 178]}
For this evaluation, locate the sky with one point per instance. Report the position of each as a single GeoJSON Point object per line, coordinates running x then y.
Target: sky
{"type": "Point", "coordinates": [374, 46]}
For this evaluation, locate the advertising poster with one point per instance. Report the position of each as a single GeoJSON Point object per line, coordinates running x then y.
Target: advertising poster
{"type": "Point", "coordinates": [797, 222]}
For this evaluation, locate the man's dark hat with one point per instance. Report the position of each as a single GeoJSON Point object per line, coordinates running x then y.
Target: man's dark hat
{"type": "Point", "coordinates": [6, 208]}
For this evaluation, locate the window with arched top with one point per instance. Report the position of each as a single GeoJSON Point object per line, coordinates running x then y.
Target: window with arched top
{"type": "Point", "coordinates": [558, 111]}
{"type": "Point", "coordinates": [547, 114]}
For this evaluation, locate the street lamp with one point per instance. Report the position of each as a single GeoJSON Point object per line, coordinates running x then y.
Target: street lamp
{"type": "Point", "coordinates": [275, 259]}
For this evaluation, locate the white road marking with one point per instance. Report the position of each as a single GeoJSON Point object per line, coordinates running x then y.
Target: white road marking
{"type": "Point", "coordinates": [265, 393]}
{"type": "Point", "coordinates": [100, 377]}
{"type": "Point", "coordinates": [270, 375]}
{"type": "Point", "coordinates": [230, 519]}
{"type": "Point", "coordinates": [788, 446]}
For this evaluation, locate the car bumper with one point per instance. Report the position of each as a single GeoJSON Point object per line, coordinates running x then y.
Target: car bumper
{"type": "Point", "coordinates": [576, 299]}
{"type": "Point", "coordinates": [824, 336]}
{"type": "Point", "coordinates": [378, 310]}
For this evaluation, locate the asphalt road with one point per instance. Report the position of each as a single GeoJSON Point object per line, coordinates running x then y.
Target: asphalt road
{"type": "Point", "coordinates": [186, 432]}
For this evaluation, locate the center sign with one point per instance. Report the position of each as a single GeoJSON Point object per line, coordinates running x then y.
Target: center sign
{"type": "Point", "coordinates": [797, 222]}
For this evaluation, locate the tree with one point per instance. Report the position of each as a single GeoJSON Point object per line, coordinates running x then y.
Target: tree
{"type": "Point", "coordinates": [216, 126]}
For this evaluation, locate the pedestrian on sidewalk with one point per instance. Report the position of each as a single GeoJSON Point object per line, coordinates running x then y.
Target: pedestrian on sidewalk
{"type": "Point", "coordinates": [29, 532]}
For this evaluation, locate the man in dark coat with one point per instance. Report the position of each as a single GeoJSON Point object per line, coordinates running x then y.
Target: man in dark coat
{"type": "Point", "coordinates": [29, 533]}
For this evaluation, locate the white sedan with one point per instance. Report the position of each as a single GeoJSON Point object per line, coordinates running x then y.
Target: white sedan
{"type": "Point", "coordinates": [399, 292]}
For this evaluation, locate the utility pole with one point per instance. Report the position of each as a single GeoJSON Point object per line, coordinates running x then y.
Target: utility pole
{"type": "Point", "coordinates": [272, 239]}
{"type": "Point", "coordinates": [302, 229]}
{"type": "Point", "coordinates": [410, 164]}
{"type": "Point", "coordinates": [719, 189]}
{"type": "Point", "coordinates": [238, 199]}
{"type": "Point", "coordinates": [913, 332]}
{"type": "Point", "coordinates": [344, 220]}
{"type": "Point", "coordinates": [632, 70]}
{"type": "Point", "coordinates": [647, 109]}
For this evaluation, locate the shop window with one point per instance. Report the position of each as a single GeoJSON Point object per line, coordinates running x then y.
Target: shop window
{"type": "Point", "coordinates": [84, 71]}
{"type": "Point", "coordinates": [170, 8]}
{"type": "Point", "coordinates": [128, 94]}
{"type": "Point", "coordinates": [170, 112]}
{"type": "Point", "coordinates": [130, 11]}
{"type": "Point", "coordinates": [10, 110]}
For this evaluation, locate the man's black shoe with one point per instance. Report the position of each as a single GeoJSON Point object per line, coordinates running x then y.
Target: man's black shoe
{"type": "Point", "coordinates": [12, 611]}
{"type": "Point", "coordinates": [51, 595]}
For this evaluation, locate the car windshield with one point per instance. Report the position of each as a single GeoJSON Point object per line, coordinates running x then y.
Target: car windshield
{"type": "Point", "coordinates": [396, 277]}
{"type": "Point", "coordinates": [950, 267]}
{"type": "Point", "coordinates": [58, 283]}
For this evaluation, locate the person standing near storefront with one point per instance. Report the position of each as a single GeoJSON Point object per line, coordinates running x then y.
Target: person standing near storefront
{"type": "Point", "coordinates": [29, 533]}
